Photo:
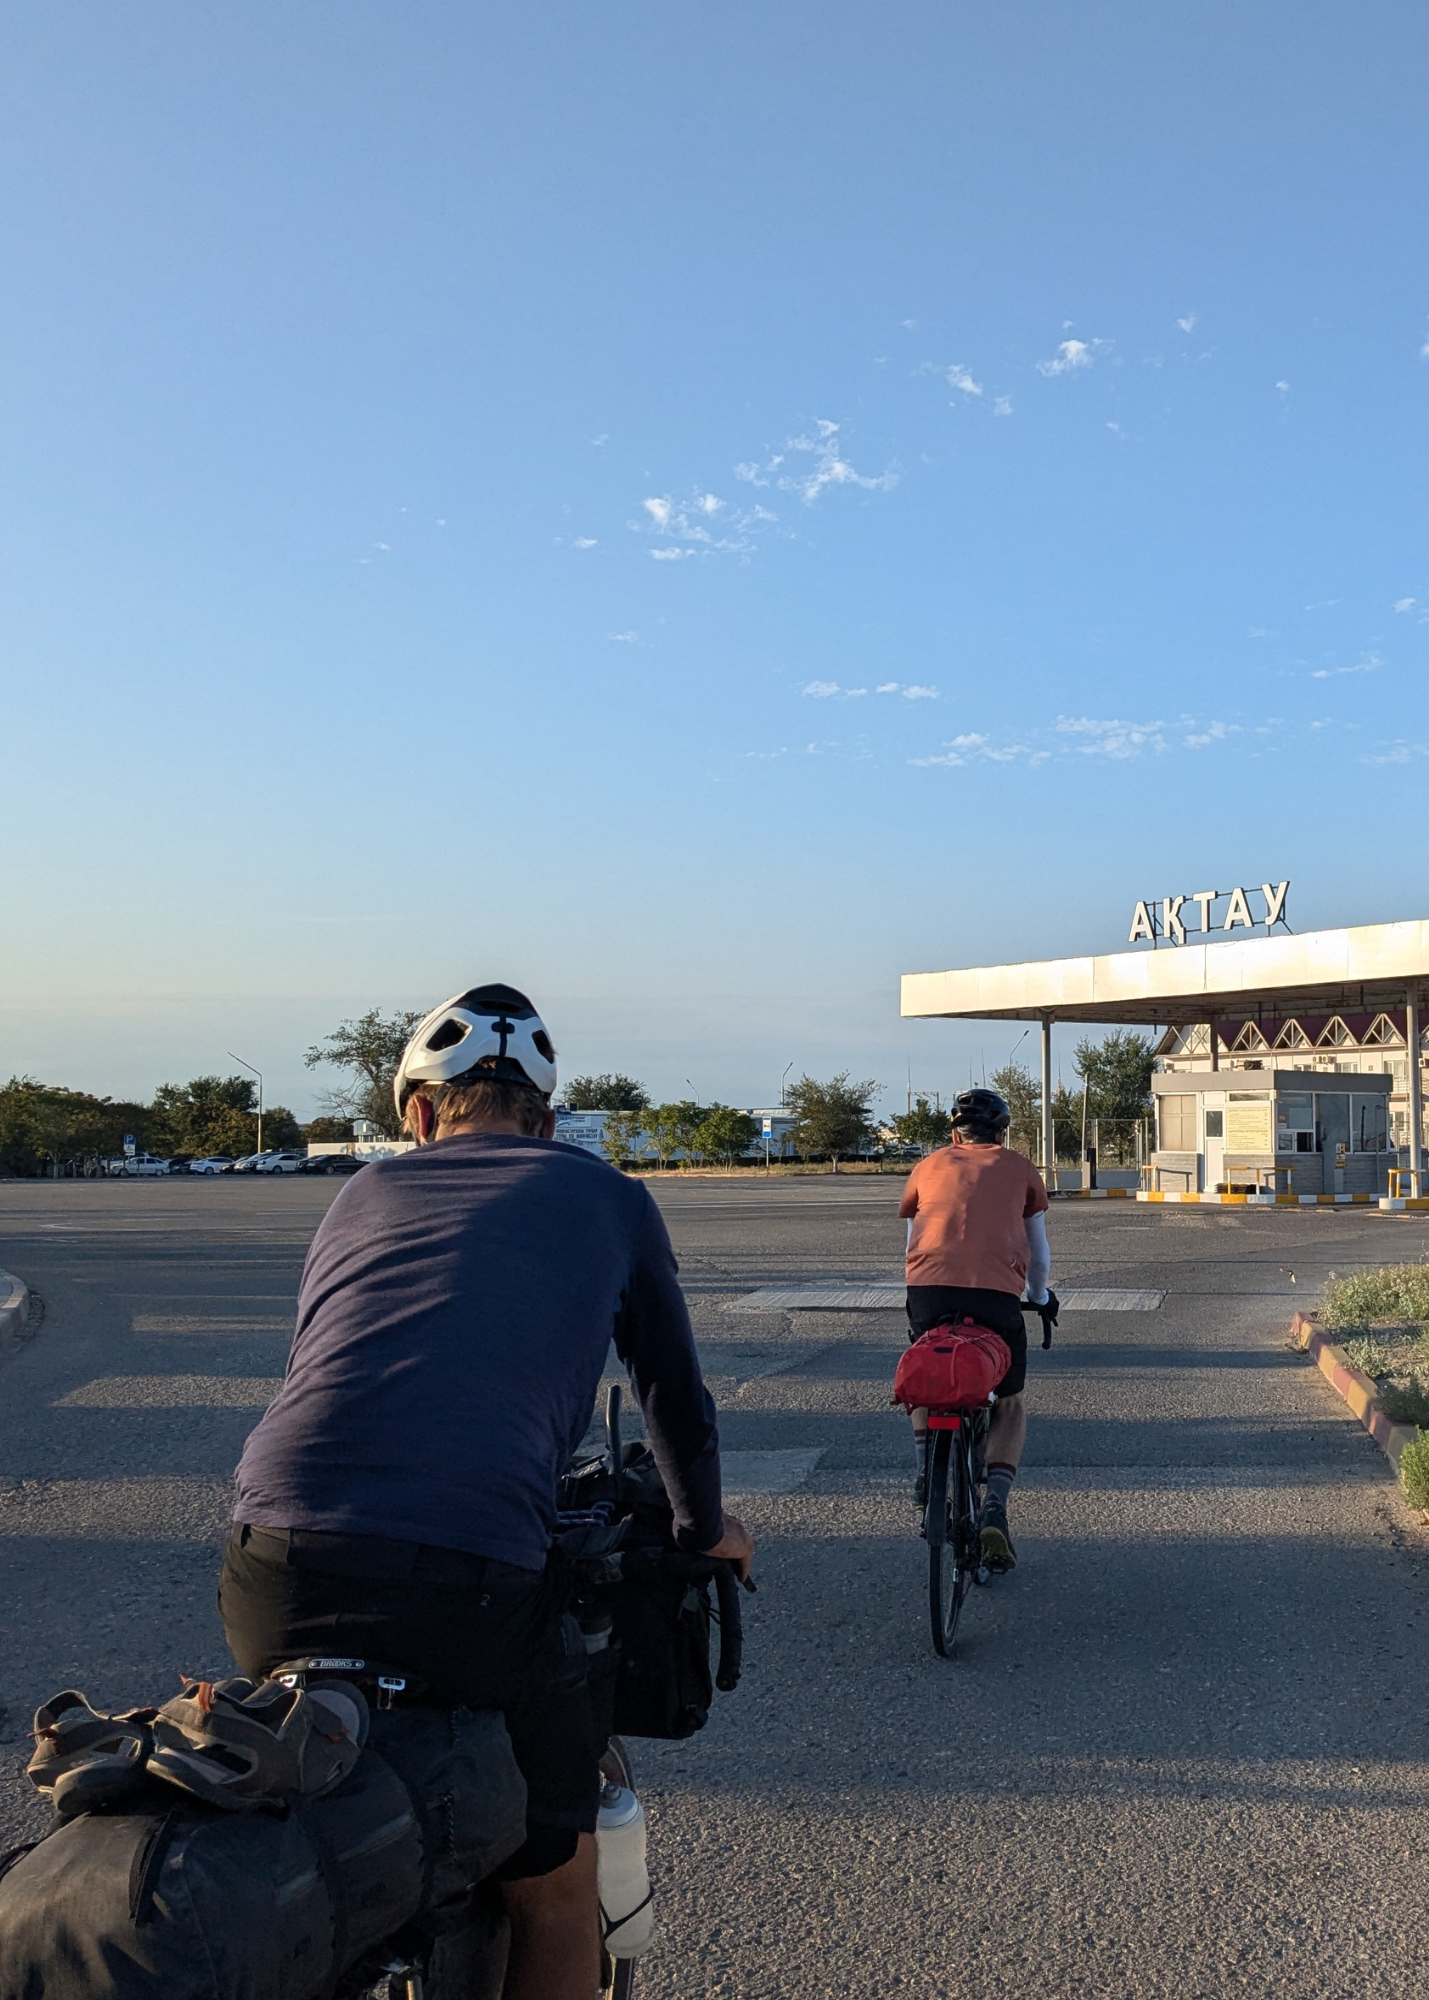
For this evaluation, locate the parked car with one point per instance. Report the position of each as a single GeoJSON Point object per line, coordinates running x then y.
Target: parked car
{"type": "Point", "coordinates": [277, 1163]}
{"type": "Point", "coordinates": [213, 1163]}
{"type": "Point", "coordinates": [247, 1165]}
{"type": "Point", "coordinates": [330, 1163]}
{"type": "Point", "coordinates": [179, 1164]}
{"type": "Point", "coordinates": [142, 1165]}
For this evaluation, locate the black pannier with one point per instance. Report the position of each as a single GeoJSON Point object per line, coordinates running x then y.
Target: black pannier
{"type": "Point", "coordinates": [165, 1901]}
{"type": "Point", "coordinates": [643, 1604]}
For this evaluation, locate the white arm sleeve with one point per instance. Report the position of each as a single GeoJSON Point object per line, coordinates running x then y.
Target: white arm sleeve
{"type": "Point", "coordinates": [1039, 1258]}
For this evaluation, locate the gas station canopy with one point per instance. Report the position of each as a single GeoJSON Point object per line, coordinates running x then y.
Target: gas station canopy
{"type": "Point", "coordinates": [1364, 969]}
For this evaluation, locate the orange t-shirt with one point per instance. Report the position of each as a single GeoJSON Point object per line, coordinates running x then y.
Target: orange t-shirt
{"type": "Point", "coordinates": [968, 1205]}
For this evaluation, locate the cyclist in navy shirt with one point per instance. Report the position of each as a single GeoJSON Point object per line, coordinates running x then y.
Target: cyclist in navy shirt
{"type": "Point", "coordinates": [398, 1498]}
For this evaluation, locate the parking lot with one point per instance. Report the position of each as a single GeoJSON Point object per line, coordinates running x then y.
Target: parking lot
{"type": "Point", "coordinates": [1180, 1751]}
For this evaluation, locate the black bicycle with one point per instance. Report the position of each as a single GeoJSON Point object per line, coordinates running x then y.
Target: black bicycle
{"type": "Point", "coordinates": [957, 1469]}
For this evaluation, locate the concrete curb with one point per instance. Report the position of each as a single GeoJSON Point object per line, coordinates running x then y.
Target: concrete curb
{"type": "Point", "coordinates": [1355, 1386]}
{"type": "Point", "coordinates": [1268, 1200]}
{"type": "Point", "coordinates": [14, 1308]}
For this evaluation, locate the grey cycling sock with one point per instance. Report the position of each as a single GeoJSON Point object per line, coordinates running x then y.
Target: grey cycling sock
{"type": "Point", "coordinates": [999, 1484]}
{"type": "Point", "coordinates": [920, 1451]}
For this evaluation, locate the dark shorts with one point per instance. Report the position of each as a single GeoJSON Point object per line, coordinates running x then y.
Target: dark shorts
{"type": "Point", "coordinates": [479, 1633]}
{"type": "Point", "coordinates": [999, 1312]}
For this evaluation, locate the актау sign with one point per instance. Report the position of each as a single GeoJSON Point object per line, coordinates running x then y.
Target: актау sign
{"type": "Point", "coordinates": [1172, 925]}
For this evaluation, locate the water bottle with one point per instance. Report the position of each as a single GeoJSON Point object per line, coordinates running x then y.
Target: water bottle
{"type": "Point", "coordinates": [627, 1914]}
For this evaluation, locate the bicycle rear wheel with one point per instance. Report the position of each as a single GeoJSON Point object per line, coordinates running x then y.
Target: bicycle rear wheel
{"type": "Point", "coordinates": [949, 1506]}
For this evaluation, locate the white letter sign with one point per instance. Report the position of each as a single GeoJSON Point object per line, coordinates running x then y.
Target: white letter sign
{"type": "Point", "coordinates": [1238, 915]}
{"type": "Point", "coordinates": [1141, 925]}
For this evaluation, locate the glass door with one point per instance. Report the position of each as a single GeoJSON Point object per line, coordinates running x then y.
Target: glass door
{"type": "Point", "coordinates": [1332, 1136]}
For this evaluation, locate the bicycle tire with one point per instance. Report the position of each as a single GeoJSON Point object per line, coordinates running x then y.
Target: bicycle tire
{"type": "Point", "coordinates": [949, 1574]}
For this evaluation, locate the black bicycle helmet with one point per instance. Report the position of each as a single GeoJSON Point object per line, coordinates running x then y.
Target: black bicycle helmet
{"type": "Point", "coordinates": [980, 1114]}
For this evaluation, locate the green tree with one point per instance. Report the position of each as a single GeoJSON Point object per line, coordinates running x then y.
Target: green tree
{"type": "Point", "coordinates": [620, 1137]}
{"type": "Point", "coordinates": [43, 1127]}
{"type": "Point", "coordinates": [725, 1133]}
{"type": "Point", "coordinates": [367, 1052]}
{"type": "Point", "coordinates": [831, 1120]}
{"type": "Point", "coordinates": [211, 1114]}
{"type": "Point", "coordinates": [661, 1126]}
{"type": "Point", "coordinates": [923, 1126]}
{"type": "Point", "coordinates": [689, 1117]}
{"type": "Point", "coordinates": [1067, 1123]}
{"type": "Point", "coordinates": [1023, 1093]}
{"type": "Point", "coordinates": [607, 1092]}
{"type": "Point", "coordinates": [327, 1131]}
{"type": "Point", "coordinates": [1117, 1073]}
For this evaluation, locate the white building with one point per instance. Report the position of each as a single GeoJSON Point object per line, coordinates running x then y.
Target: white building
{"type": "Point", "coordinates": [1319, 1004]}
{"type": "Point", "coordinates": [587, 1130]}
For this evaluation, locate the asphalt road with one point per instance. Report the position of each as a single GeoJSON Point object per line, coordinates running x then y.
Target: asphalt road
{"type": "Point", "coordinates": [1181, 1751]}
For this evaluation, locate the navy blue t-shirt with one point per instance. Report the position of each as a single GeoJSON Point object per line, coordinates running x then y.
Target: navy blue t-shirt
{"type": "Point", "coordinates": [455, 1312]}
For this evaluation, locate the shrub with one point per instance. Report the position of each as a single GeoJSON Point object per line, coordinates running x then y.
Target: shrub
{"type": "Point", "coordinates": [1394, 1292]}
{"type": "Point", "coordinates": [1414, 1471]}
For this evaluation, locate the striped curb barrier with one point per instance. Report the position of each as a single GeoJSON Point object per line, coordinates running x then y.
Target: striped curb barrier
{"type": "Point", "coordinates": [1265, 1200]}
{"type": "Point", "coordinates": [14, 1307]}
{"type": "Point", "coordinates": [1354, 1386]}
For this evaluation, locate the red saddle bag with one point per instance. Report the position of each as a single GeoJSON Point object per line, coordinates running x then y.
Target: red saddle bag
{"type": "Point", "coordinates": [951, 1368]}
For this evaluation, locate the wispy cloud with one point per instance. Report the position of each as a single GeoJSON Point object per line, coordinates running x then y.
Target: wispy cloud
{"type": "Point", "coordinates": [959, 378]}
{"type": "Point", "coordinates": [704, 524]}
{"type": "Point", "coordinates": [1405, 603]}
{"type": "Point", "coordinates": [1210, 732]}
{"type": "Point", "coordinates": [585, 541]}
{"type": "Point", "coordinates": [1368, 663]}
{"type": "Point", "coordinates": [1399, 752]}
{"type": "Point", "coordinates": [974, 747]}
{"type": "Point", "coordinates": [1187, 324]}
{"type": "Point", "coordinates": [1002, 406]}
{"type": "Point", "coordinates": [809, 465]}
{"type": "Point", "coordinates": [623, 638]}
{"type": "Point", "coordinates": [1071, 356]}
{"type": "Point", "coordinates": [831, 691]}
{"type": "Point", "coordinates": [1283, 388]}
{"type": "Point", "coordinates": [1111, 737]}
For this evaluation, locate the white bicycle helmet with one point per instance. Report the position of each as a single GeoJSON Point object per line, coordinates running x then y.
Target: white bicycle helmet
{"type": "Point", "coordinates": [491, 1033]}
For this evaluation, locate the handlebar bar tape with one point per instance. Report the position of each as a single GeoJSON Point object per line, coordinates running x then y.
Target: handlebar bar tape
{"type": "Point", "coordinates": [731, 1630]}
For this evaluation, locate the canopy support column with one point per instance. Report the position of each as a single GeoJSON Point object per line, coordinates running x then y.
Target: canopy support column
{"type": "Point", "coordinates": [1215, 1026]}
{"type": "Point", "coordinates": [1049, 1137]}
{"type": "Point", "coordinates": [1416, 1093]}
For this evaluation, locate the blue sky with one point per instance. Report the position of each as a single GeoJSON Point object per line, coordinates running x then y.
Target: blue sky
{"type": "Point", "coordinates": [693, 510]}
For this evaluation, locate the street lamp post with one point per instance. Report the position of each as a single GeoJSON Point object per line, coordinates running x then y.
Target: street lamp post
{"type": "Point", "coordinates": [259, 1074]}
{"type": "Point", "coordinates": [782, 1098]}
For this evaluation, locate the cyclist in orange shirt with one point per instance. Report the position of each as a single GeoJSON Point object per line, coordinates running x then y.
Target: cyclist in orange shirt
{"type": "Point", "coordinates": [977, 1244]}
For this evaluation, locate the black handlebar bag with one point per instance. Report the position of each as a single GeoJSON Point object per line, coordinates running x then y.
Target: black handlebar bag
{"type": "Point", "coordinates": [644, 1605]}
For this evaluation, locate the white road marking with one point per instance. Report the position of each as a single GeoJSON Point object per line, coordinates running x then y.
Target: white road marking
{"type": "Point", "coordinates": [887, 1295]}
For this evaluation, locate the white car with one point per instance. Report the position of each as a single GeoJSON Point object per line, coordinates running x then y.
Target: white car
{"type": "Point", "coordinates": [144, 1164]}
{"type": "Point", "coordinates": [214, 1164]}
{"type": "Point", "coordinates": [277, 1163]}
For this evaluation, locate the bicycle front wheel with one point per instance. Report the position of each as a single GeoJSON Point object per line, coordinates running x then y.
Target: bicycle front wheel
{"type": "Point", "coordinates": [949, 1573]}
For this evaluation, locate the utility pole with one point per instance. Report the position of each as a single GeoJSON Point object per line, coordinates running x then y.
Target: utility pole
{"type": "Point", "coordinates": [259, 1074]}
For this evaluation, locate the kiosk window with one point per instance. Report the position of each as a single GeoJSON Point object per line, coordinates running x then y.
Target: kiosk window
{"type": "Point", "coordinates": [1369, 1124]}
{"type": "Point", "coordinates": [1215, 1124]}
{"type": "Point", "coordinates": [1178, 1124]}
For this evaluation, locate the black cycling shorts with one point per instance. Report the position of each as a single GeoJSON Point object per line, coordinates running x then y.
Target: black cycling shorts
{"type": "Point", "coordinates": [999, 1312]}
{"type": "Point", "coordinates": [479, 1633]}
